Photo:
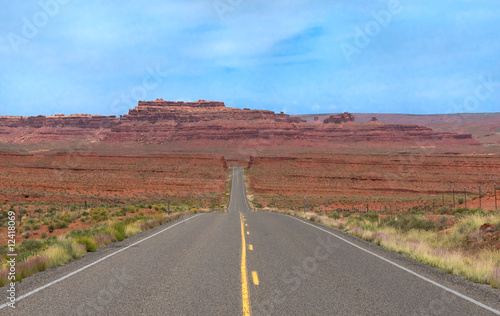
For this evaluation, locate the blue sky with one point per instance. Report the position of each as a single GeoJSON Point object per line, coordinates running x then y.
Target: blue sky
{"type": "Point", "coordinates": [300, 56]}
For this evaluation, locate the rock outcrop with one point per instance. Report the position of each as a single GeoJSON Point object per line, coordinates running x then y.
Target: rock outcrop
{"type": "Point", "coordinates": [340, 118]}
{"type": "Point", "coordinates": [210, 124]}
{"type": "Point", "coordinates": [39, 129]}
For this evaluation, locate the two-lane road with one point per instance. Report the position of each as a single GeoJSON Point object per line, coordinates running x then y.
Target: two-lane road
{"type": "Point", "coordinates": [244, 262]}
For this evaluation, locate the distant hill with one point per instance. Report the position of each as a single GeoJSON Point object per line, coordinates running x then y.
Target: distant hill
{"type": "Point", "coordinates": [211, 127]}
{"type": "Point", "coordinates": [484, 127]}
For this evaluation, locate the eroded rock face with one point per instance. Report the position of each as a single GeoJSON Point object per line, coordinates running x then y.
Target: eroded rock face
{"type": "Point", "coordinates": [340, 118]}
{"type": "Point", "coordinates": [159, 122]}
{"type": "Point", "coordinates": [209, 123]}
{"type": "Point", "coordinates": [38, 129]}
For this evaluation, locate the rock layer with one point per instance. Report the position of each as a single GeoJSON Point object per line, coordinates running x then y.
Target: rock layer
{"type": "Point", "coordinates": [39, 129]}
{"type": "Point", "coordinates": [210, 123]}
{"type": "Point", "coordinates": [340, 118]}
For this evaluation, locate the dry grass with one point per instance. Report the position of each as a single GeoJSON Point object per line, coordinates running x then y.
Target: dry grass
{"type": "Point", "coordinates": [447, 252]}
{"type": "Point", "coordinates": [58, 250]}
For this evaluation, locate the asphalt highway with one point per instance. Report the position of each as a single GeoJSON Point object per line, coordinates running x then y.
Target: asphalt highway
{"type": "Point", "coordinates": [247, 263]}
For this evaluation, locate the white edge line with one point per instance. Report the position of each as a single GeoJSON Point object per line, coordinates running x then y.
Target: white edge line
{"type": "Point", "coordinates": [497, 312]}
{"type": "Point", "coordinates": [93, 263]}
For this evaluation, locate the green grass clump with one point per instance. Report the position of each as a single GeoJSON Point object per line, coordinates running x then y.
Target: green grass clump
{"type": "Point", "coordinates": [118, 229]}
{"type": "Point", "coordinates": [89, 243]}
{"type": "Point", "coordinates": [74, 249]}
{"type": "Point", "coordinates": [31, 245]}
{"type": "Point", "coordinates": [406, 223]}
{"type": "Point", "coordinates": [62, 224]}
{"type": "Point", "coordinates": [57, 255]}
{"type": "Point", "coordinates": [132, 229]}
{"type": "Point", "coordinates": [334, 215]}
{"type": "Point", "coordinates": [370, 216]}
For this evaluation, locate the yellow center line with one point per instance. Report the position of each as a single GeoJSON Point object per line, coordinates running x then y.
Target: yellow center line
{"type": "Point", "coordinates": [245, 295]}
{"type": "Point", "coordinates": [255, 278]}
{"type": "Point", "coordinates": [248, 233]}
{"type": "Point", "coordinates": [250, 247]}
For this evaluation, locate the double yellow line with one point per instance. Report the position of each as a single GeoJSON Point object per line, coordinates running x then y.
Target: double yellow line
{"type": "Point", "coordinates": [245, 295]}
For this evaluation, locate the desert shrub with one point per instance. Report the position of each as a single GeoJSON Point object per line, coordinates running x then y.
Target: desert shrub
{"type": "Point", "coordinates": [408, 222]}
{"type": "Point", "coordinates": [52, 240]}
{"type": "Point", "coordinates": [26, 235]}
{"type": "Point", "coordinates": [370, 217]}
{"type": "Point", "coordinates": [74, 249]}
{"type": "Point", "coordinates": [78, 233]}
{"type": "Point", "coordinates": [73, 217]}
{"type": "Point", "coordinates": [4, 280]}
{"type": "Point", "coordinates": [461, 212]}
{"type": "Point", "coordinates": [119, 230]}
{"type": "Point", "coordinates": [100, 229]}
{"type": "Point", "coordinates": [31, 266]}
{"type": "Point", "coordinates": [460, 200]}
{"type": "Point", "coordinates": [51, 228]}
{"type": "Point", "coordinates": [353, 221]}
{"type": "Point", "coordinates": [128, 220]}
{"type": "Point", "coordinates": [132, 229]}
{"type": "Point", "coordinates": [104, 239]}
{"type": "Point", "coordinates": [89, 243]}
{"type": "Point", "coordinates": [57, 255]}
{"type": "Point", "coordinates": [31, 245]}
{"type": "Point", "coordinates": [44, 235]}
{"type": "Point", "coordinates": [3, 250]}
{"type": "Point", "coordinates": [334, 215]}
{"type": "Point", "coordinates": [62, 224]}
{"type": "Point", "coordinates": [23, 255]}
{"type": "Point", "coordinates": [442, 222]}
{"type": "Point", "coordinates": [444, 210]}
{"type": "Point", "coordinates": [149, 224]}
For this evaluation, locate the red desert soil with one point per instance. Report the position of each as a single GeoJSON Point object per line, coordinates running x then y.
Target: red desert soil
{"type": "Point", "coordinates": [75, 177]}
{"type": "Point", "coordinates": [382, 181]}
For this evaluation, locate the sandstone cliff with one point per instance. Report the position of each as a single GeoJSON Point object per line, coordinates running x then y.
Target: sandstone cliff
{"type": "Point", "coordinates": [340, 118]}
{"type": "Point", "coordinates": [39, 129]}
{"type": "Point", "coordinates": [205, 124]}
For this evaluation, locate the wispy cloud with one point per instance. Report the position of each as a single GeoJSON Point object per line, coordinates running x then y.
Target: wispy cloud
{"type": "Point", "coordinates": [262, 54]}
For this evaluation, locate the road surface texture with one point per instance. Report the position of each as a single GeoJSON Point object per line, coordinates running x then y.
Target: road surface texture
{"type": "Point", "coordinates": [247, 263]}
